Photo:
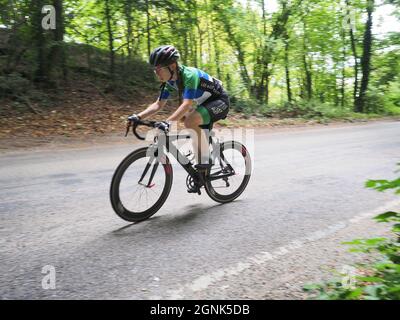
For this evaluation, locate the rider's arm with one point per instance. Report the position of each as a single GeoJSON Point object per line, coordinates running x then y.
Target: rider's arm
{"type": "Point", "coordinates": [180, 112]}
{"type": "Point", "coordinates": [153, 108]}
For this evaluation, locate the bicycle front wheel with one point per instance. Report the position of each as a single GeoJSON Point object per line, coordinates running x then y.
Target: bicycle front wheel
{"type": "Point", "coordinates": [231, 172]}
{"type": "Point", "coordinates": [140, 185]}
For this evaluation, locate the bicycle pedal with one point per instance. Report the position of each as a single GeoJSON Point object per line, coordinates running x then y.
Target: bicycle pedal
{"type": "Point", "coordinates": [194, 190]}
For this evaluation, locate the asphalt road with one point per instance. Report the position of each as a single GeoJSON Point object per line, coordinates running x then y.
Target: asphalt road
{"type": "Point", "coordinates": [55, 210]}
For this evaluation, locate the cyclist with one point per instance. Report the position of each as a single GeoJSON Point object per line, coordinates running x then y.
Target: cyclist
{"type": "Point", "coordinates": [193, 86]}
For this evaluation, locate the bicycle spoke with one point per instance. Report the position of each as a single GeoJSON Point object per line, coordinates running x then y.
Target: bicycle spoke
{"type": "Point", "coordinates": [131, 199]}
{"type": "Point", "coordinates": [142, 196]}
{"type": "Point", "coordinates": [138, 189]}
{"type": "Point", "coordinates": [229, 159]}
{"type": "Point", "coordinates": [151, 189]}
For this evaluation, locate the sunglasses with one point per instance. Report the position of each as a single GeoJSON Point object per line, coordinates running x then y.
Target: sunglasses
{"type": "Point", "coordinates": [157, 69]}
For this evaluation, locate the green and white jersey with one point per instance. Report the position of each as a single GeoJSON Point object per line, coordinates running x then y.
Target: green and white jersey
{"type": "Point", "coordinates": [197, 86]}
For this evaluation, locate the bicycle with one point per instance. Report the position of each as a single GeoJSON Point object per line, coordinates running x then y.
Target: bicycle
{"type": "Point", "coordinates": [145, 185]}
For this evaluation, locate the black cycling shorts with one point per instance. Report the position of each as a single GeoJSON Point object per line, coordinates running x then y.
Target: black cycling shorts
{"type": "Point", "coordinates": [214, 110]}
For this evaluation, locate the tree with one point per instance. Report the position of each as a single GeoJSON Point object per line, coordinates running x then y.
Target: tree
{"type": "Point", "coordinates": [56, 58]}
{"type": "Point", "coordinates": [300, 53]}
{"type": "Point", "coordinates": [366, 58]}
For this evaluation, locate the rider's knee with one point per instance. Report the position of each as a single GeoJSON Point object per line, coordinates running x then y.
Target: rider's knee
{"type": "Point", "coordinates": [189, 123]}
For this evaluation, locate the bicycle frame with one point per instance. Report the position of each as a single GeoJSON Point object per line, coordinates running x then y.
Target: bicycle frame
{"type": "Point", "coordinates": [182, 159]}
{"type": "Point", "coordinates": [147, 160]}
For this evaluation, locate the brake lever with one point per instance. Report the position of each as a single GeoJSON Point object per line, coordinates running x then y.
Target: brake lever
{"type": "Point", "coordinates": [134, 125]}
{"type": "Point", "coordinates": [127, 128]}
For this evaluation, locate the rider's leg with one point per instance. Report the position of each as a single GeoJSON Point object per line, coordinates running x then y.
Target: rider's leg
{"type": "Point", "coordinates": [200, 144]}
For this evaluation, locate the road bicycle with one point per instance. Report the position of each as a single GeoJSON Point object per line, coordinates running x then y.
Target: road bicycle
{"type": "Point", "coordinates": [143, 180]}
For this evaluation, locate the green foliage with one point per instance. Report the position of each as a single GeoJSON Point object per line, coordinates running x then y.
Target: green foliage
{"type": "Point", "coordinates": [375, 102]}
{"type": "Point", "coordinates": [381, 279]}
{"type": "Point", "coordinates": [383, 185]}
{"type": "Point", "coordinates": [392, 111]}
{"type": "Point", "coordinates": [304, 46]}
{"type": "Point", "coordinates": [392, 96]}
{"type": "Point", "coordinates": [245, 105]}
{"type": "Point", "coordinates": [384, 99]}
{"type": "Point", "coordinates": [308, 109]}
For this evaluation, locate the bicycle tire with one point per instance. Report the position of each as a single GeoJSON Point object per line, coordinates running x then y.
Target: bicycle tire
{"type": "Point", "coordinates": [116, 203]}
{"type": "Point", "coordinates": [212, 193]}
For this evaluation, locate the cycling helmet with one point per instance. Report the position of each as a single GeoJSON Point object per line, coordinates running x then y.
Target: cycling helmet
{"type": "Point", "coordinates": [164, 56]}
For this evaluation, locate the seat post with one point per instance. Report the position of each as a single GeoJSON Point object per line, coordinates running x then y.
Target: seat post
{"type": "Point", "coordinates": [209, 133]}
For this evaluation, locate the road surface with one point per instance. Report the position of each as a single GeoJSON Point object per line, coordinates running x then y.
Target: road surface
{"type": "Point", "coordinates": [307, 184]}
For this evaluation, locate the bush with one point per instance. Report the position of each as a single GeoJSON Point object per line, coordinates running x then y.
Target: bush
{"type": "Point", "coordinates": [13, 85]}
{"type": "Point", "coordinates": [384, 100]}
{"type": "Point", "coordinates": [382, 278]}
{"type": "Point", "coordinates": [375, 100]}
{"type": "Point", "coordinates": [392, 98]}
{"type": "Point", "coordinates": [245, 105]}
{"type": "Point", "coordinates": [392, 111]}
{"type": "Point", "coordinates": [307, 109]}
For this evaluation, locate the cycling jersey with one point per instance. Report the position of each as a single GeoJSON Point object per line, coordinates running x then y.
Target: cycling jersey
{"type": "Point", "coordinates": [197, 86]}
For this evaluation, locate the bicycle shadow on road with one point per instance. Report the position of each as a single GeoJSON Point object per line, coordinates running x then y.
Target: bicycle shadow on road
{"type": "Point", "coordinates": [186, 217]}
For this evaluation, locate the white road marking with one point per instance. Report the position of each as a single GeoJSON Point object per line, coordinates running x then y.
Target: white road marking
{"type": "Point", "coordinates": [203, 282]}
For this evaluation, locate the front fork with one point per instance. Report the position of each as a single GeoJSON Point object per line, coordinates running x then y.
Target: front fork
{"type": "Point", "coordinates": [153, 149]}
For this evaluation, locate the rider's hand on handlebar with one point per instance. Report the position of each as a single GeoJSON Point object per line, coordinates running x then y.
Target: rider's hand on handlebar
{"type": "Point", "coordinates": [133, 118]}
{"type": "Point", "coordinates": [162, 125]}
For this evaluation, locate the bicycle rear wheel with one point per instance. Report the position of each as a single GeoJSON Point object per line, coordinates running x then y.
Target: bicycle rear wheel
{"type": "Point", "coordinates": [233, 162]}
{"type": "Point", "coordinates": [140, 185]}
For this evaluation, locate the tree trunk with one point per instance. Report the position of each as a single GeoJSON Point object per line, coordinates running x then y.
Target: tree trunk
{"type": "Point", "coordinates": [128, 17]}
{"type": "Point", "coordinates": [263, 18]}
{"type": "Point", "coordinates": [209, 31]}
{"type": "Point", "coordinates": [185, 48]}
{"type": "Point", "coordinates": [148, 28]}
{"type": "Point", "coordinates": [287, 72]}
{"type": "Point", "coordinates": [278, 29]}
{"type": "Point", "coordinates": [261, 88]}
{"type": "Point", "coordinates": [192, 47]}
{"type": "Point", "coordinates": [110, 39]}
{"type": "Point", "coordinates": [266, 86]}
{"type": "Point", "coordinates": [354, 50]}
{"type": "Point", "coordinates": [342, 87]}
{"type": "Point", "coordinates": [216, 48]}
{"type": "Point", "coordinates": [307, 68]}
{"type": "Point", "coordinates": [41, 73]}
{"type": "Point", "coordinates": [366, 59]}
{"type": "Point", "coordinates": [200, 34]}
{"type": "Point", "coordinates": [56, 57]}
